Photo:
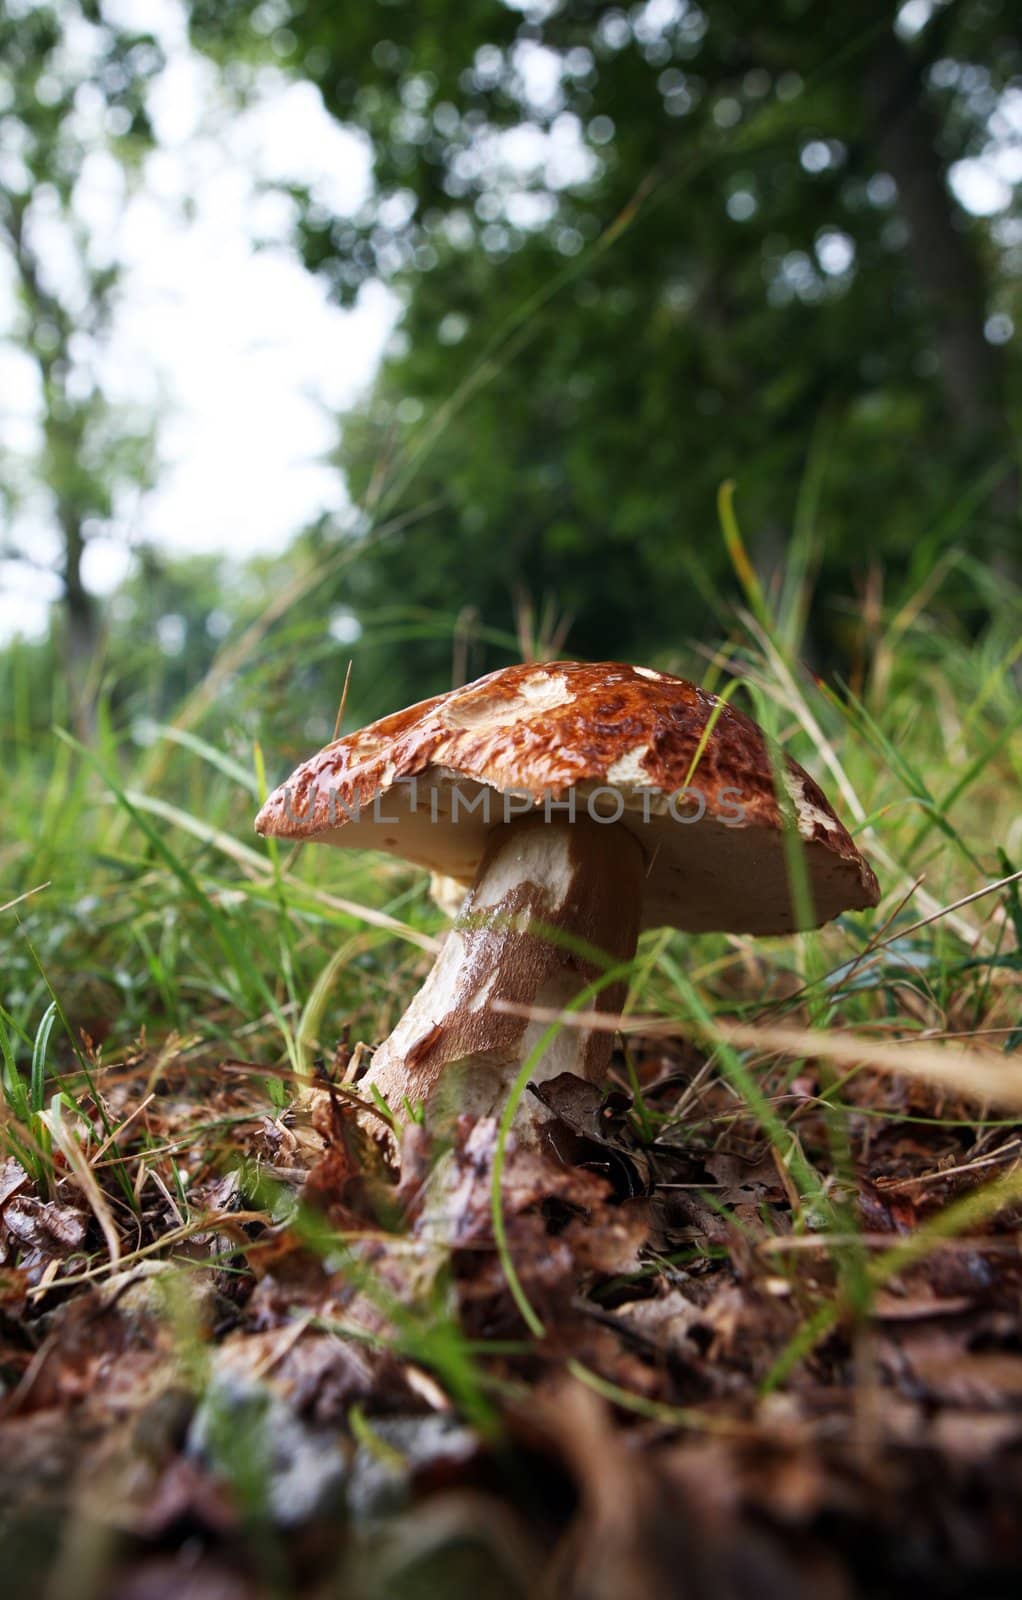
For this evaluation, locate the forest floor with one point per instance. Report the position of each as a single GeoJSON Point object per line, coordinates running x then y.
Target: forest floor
{"type": "Point", "coordinates": [243, 1361]}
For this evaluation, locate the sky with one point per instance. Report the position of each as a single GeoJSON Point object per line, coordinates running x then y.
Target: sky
{"type": "Point", "coordinates": [239, 348]}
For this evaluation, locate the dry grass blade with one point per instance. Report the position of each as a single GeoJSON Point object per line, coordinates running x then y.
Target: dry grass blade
{"type": "Point", "coordinates": [338, 723]}
{"type": "Point", "coordinates": [943, 911]}
{"type": "Point", "coordinates": [227, 1222]}
{"type": "Point", "coordinates": [85, 1178]}
{"type": "Point", "coordinates": [976, 1075]}
{"type": "Point", "coordinates": [19, 898]}
{"type": "Point", "coordinates": [258, 867]}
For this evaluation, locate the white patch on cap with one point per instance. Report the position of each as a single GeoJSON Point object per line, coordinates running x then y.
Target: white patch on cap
{"type": "Point", "coordinates": [647, 672]}
{"type": "Point", "coordinates": [546, 691]}
{"type": "Point", "coordinates": [629, 768]}
{"type": "Point", "coordinates": [807, 813]}
{"type": "Point", "coordinates": [361, 746]}
{"type": "Point", "coordinates": [541, 692]}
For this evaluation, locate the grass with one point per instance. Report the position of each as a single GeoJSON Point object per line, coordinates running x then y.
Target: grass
{"type": "Point", "coordinates": [175, 916]}
{"type": "Point", "coordinates": [147, 937]}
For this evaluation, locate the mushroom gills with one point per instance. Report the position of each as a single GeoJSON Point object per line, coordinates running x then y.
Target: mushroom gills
{"type": "Point", "coordinates": [555, 904]}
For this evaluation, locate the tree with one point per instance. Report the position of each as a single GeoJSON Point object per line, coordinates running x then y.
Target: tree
{"type": "Point", "coordinates": [73, 99]}
{"type": "Point", "coordinates": [648, 249]}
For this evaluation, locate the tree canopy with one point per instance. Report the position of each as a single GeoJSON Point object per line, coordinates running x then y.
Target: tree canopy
{"type": "Point", "coordinates": [642, 251]}
{"type": "Point", "coordinates": [648, 250]}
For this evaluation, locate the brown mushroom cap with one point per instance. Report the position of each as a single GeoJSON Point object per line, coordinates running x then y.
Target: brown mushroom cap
{"type": "Point", "coordinates": [624, 740]}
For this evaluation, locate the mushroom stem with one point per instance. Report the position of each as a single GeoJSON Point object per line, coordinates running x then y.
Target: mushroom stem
{"type": "Point", "coordinates": [548, 893]}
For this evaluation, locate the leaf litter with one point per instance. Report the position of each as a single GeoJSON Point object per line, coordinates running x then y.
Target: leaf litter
{"type": "Point", "coordinates": [307, 1376]}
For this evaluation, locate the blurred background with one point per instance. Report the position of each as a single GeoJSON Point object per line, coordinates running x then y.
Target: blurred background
{"type": "Point", "coordinates": [427, 333]}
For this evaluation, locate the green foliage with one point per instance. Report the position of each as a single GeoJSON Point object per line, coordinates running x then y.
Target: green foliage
{"type": "Point", "coordinates": [647, 250]}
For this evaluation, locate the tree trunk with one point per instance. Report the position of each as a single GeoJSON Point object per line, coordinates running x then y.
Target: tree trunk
{"type": "Point", "coordinates": [905, 135]}
{"type": "Point", "coordinates": [81, 641]}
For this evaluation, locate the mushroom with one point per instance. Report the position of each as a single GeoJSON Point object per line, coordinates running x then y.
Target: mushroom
{"type": "Point", "coordinates": [579, 803]}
